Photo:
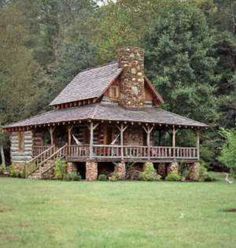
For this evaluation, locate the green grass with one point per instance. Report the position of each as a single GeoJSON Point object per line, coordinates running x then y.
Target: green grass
{"type": "Point", "coordinates": [116, 214]}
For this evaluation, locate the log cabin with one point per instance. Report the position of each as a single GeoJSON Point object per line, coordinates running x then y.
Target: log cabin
{"type": "Point", "coordinates": [106, 115]}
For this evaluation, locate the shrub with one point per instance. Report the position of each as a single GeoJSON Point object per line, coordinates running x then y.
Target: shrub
{"type": "Point", "coordinates": [12, 171]}
{"type": "Point", "coordinates": [173, 177]}
{"type": "Point", "coordinates": [102, 177]}
{"type": "Point", "coordinates": [204, 175]}
{"type": "Point", "coordinates": [73, 176]}
{"type": "Point", "coordinates": [60, 169]}
{"type": "Point", "coordinates": [114, 177]}
{"type": "Point", "coordinates": [149, 173]}
{"type": "Point", "coordinates": [3, 169]}
{"type": "Point", "coordinates": [228, 154]}
{"type": "Point", "coordinates": [209, 178]}
{"type": "Point", "coordinates": [133, 174]}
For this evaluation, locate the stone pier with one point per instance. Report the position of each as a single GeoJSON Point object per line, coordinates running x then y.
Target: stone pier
{"type": "Point", "coordinates": [194, 171]}
{"type": "Point", "coordinates": [91, 170]}
{"type": "Point", "coordinates": [120, 170]}
{"type": "Point", "coordinates": [173, 168]}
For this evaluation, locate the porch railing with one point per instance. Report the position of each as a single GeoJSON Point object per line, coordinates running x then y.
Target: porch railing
{"type": "Point", "coordinates": [40, 149]}
{"type": "Point", "coordinates": [129, 152]}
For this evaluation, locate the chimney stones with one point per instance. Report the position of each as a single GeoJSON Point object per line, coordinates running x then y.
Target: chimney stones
{"type": "Point", "coordinates": [132, 93]}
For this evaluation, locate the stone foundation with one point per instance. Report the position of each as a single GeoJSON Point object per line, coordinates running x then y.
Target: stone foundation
{"type": "Point", "coordinates": [91, 171]}
{"type": "Point", "coordinates": [194, 172]}
{"type": "Point", "coordinates": [161, 170]}
{"type": "Point", "coordinates": [120, 170]}
{"type": "Point", "coordinates": [71, 167]}
{"type": "Point", "coordinates": [173, 168]}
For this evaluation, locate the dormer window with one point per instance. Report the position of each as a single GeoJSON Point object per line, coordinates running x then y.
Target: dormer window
{"type": "Point", "coordinates": [114, 92]}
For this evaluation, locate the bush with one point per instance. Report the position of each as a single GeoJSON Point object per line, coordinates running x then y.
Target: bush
{"type": "Point", "coordinates": [149, 173]}
{"type": "Point", "coordinates": [102, 177]}
{"type": "Point", "coordinates": [60, 169]}
{"type": "Point", "coordinates": [114, 177]}
{"type": "Point", "coordinates": [12, 171]}
{"type": "Point", "coordinates": [204, 175]}
{"type": "Point", "coordinates": [3, 169]}
{"type": "Point", "coordinates": [73, 176]}
{"type": "Point", "coordinates": [133, 174]}
{"type": "Point", "coordinates": [209, 178]}
{"type": "Point", "coordinates": [228, 154]}
{"type": "Point", "coordinates": [173, 177]}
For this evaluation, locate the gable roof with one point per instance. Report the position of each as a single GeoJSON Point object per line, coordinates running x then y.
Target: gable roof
{"type": "Point", "coordinates": [109, 112]}
{"type": "Point", "coordinates": [88, 84]}
{"type": "Point", "coordinates": [93, 83]}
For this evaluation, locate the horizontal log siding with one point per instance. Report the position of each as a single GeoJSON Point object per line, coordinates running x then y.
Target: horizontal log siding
{"type": "Point", "coordinates": [26, 153]}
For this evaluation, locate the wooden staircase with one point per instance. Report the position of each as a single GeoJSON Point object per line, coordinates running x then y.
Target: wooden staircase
{"type": "Point", "coordinates": [43, 163]}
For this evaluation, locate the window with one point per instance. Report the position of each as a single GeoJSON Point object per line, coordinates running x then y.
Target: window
{"type": "Point", "coordinates": [114, 92]}
{"type": "Point", "coordinates": [21, 141]}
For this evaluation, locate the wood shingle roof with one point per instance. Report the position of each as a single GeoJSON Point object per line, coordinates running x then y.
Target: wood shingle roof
{"type": "Point", "coordinates": [109, 112]}
{"type": "Point", "coordinates": [88, 84]}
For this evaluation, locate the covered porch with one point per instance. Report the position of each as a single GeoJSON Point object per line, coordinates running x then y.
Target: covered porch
{"type": "Point", "coordinates": [117, 141]}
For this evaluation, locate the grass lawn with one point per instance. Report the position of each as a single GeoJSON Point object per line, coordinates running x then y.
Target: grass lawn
{"type": "Point", "coordinates": [116, 214]}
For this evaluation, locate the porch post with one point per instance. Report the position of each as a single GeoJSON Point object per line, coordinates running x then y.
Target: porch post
{"type": "Point", "coordinates": [51, 131]}
{"type": "Point", "coordinates": [91, 141]}
{"type": "Point", "coordinates": [69, 129]}
{"type": "Point", "coordinates": [122, 129]}
{"type": "Point", "coordinates": [174, 140]}
{"type": "Point", "coordinates": [122, 140]}
{"type": "Point", "coordinates": [91, 128]}
{"type": "Point", "coordinates": [198, 144]}
{"type": "Point", "coordinates": [148, 131]}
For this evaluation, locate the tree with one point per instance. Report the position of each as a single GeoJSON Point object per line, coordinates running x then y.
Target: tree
{"type": "Point", "coordinates": [19, 73]}
{"type": "Point", "coordinates": [228, 155]}
{"type": "Point", "coordinates": [180, 60]}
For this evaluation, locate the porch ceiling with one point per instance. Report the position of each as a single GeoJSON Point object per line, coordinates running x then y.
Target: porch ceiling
{"type": "Point", "coordinates": [108, 112]}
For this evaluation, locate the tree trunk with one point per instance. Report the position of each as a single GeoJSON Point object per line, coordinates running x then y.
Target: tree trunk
{"type": "Point", "coordinates": [2, 155]}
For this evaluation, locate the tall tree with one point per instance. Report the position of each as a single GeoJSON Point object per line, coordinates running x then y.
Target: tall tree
{"type": "Point", "coordinates": [179, 59]}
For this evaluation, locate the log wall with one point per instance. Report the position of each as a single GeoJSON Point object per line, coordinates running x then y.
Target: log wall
{"type": "Point", "coordinates": [25, 154]}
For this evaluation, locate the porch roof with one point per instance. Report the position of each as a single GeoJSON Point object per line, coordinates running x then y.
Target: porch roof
{"type": "Point", "coordinates": [108, 112]}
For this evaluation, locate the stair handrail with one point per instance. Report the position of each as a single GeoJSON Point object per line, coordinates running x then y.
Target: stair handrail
{"type": "Point", "coordinates": [40, 155]}
{"type": "Point", "coordinates": [35, 160]}
{"type": "Point", "coordinates": [52, 156]}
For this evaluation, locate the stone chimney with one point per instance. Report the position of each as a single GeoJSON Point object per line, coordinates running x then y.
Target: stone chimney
{"type": "Point", "coordinates": [132, 94]}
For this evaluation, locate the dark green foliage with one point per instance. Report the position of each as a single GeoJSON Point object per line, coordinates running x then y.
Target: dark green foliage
{"type": "Point", "coordinates": [73, 176]}
{"type": "Point", "coordinates": [3, 169]}
{"type": "Point", "coordinates": [60, 169]}
{"type": "Point", "coordinates": [102, 177]}
{"type": "Point", "coordinates": [179, 59]}
{"type": "Point", "coordinates": [173, 177]}
{"type": "Point", "coordinates": [228, 153]}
